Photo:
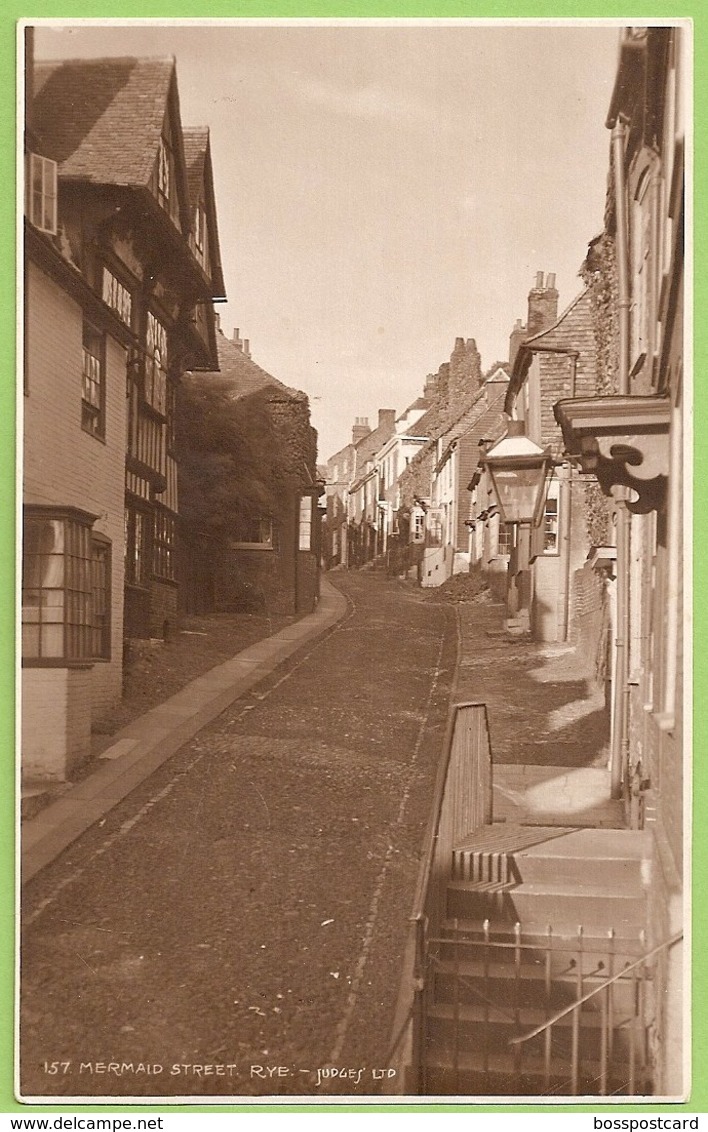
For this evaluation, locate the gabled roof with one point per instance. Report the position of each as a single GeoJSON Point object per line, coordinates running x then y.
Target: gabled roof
{"type": "Point", "coordinates": [101, 119]}
{"type": "Point", "coordinates": [487, 398]}
{"type": "Point", "coordinates": [369, 445]}
{"type": "Point", "coordinates": [559, 338]}
{"type": "Point", "coordinates": [487, 401]}
{"type": "Point", "coordinates": [247, 378]}
{"type": "Point", "coordinates": [420, 403]}
{"type": "Point", "coordinates": [200, 181]}
{"type": "Point", "coordinates": [440, 417]}
{"type": "Point", "coordinates": [196, 141]}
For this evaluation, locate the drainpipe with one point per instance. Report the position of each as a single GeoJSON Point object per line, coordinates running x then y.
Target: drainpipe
{"type": "Point", "coordinates": [564, 505]}
{"type": "Point", "coordinates": [620, 707]}
{"type": "Point", "coordinates": [673, 541]}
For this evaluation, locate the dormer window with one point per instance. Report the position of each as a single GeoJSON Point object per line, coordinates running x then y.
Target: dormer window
{"type": "Point", "coordinates": [41, 192]}
{"type": "Point", "coordinates": [200, 234]}
{"type": "Point", "coordinates": [164, 174]}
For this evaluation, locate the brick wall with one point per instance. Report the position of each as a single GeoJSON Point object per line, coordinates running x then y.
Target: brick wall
{"type": "Point", "coordinates": [62, 697]}
{"type": "Point", "coordinates": [164, 618]}
{"type": "Point", "coordinates": [562, 375]}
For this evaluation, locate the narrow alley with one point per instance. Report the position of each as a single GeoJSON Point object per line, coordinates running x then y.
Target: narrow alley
{"type": "Point", "coordinates": [236, 924]}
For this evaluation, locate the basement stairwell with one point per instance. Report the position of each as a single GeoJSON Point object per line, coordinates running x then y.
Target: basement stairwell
{"type": "Point", "coordinates": [530, 965]}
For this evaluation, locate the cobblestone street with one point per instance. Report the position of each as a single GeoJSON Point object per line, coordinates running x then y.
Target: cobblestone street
{"type": "Point", "coordinates": [236, 924]}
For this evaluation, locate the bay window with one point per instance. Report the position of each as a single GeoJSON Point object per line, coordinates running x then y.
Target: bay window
{"type": "Point", "coordinates": [65, 588]}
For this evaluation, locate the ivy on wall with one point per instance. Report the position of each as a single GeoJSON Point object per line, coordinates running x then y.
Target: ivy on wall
{"type": "Point", "coordinates": [240, 456]}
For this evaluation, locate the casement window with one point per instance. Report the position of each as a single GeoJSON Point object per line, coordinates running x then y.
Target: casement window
{"type": "Point", "coordinates": [164, 545]}
{"type": "Point", "coordinates": [169, 496]}
{"type": "Point", "coordinates": [550, 521]}
{"type": "Point", "coordinates": [255, 534]}
{"type": "Point", "coordinates": [643, 243]}
{"type": "Point", "coordinates": [41, 192]}
{"type": "Point", "coordinates": [417, 526]}
{"type": "Point", "coordinates": [93, 382]}
{"type": "Point", "coordinates": [138, 546]}
{"type": "Point", "coordinates": [201, 237]}
{"type": "Point", "coordinates": [435, 524]}
{"type": "Point", "coordinates": [146, 434]}
{"type": "Point", "coordinates": [165, 173]}
{"type": "Point", "coordinates": [117, 297]}
{"type": "Point", "coordinates": [101, 593]}
{"type": "Point", "coordinates": [171, 412]}
{"type": "Point", "coordinates": [505, 538]}
{"type": "Point", "coordinates": [65, 588]}
{"type": "Point", "coordinates": [304, 541]}
{"type": "Point", "coordinates": [156, 364]}
{"type": "Point", "coordinates": [137, 485]}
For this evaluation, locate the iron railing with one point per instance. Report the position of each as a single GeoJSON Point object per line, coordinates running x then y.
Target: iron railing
{"type": "Point", "coordinates": [594, 1044]}
{"type": "Point", "coordinates": [638, 971]}
{"type": "Point", "coordinates": [462, 803]}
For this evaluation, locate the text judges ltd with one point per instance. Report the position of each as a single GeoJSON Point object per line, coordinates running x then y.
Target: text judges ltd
{"type": "Point", "coordinates": [354, 1076]}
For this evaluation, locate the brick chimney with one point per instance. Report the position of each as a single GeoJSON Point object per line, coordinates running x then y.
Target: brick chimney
{"type": "Point", "coordinates": [465, 369]}
{"type": "Point", "coordinates": [241, 344]}
{"type": "Point", "coordinates": [360, 429]}
{"type": "Point", "coordinates": [431, 386]}
{"type": "Point", "coordinates": [515, 339]}
{"type": "Point", "coordinates": [543, 305]}
{"type": "Point", "coordinates": [387, 418]}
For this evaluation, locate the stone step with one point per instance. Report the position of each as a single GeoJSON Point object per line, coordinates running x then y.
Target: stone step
{"type": "Point", "coordinates": [617, 858]}
{"type": "Point", "coordinates": [505, 985]}
{"type": "Point", "coordinates": [466, 1026]}
{"type": "Point", "coordinates": [563, 905]}
{"type": "Point", "coordinates": [465, 938]}
{"type": "Point", "coordinates": [470, 1079]}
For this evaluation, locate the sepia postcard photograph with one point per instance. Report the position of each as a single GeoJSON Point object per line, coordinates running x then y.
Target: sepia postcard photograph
{"type": "Point", "coordinates": [354, 495]}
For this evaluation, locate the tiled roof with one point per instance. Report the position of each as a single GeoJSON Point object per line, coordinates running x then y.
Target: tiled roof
{"type": "Point", "coordinates": [101, 119]}
{"type": "Point", "coordinates": [196, 140]}
{"type": "Point", "coordinates": [420, 403]}
{"type": "Point", "coordinates": [245, 376]}
{"type": "Point", "coordinates": [369, 445]}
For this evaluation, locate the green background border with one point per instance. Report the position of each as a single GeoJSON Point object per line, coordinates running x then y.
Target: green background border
{"type": "Point", "coordinates": [440, 9]}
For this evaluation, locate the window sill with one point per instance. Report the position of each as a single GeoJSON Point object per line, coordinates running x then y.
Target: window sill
{"type": "Point", "coordinates": [262, 546]}
{"type": "Point", "coordinates": [59, 662]}
{"type": "Point", "coordinates": [96, 435]}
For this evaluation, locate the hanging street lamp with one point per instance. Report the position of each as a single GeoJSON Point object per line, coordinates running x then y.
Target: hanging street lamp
{"type": "Point", "coordinates": [520, 473]}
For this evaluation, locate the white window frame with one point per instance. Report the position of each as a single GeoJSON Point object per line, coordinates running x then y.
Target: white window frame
{"type": "Point", "coordinates": [47, 193]}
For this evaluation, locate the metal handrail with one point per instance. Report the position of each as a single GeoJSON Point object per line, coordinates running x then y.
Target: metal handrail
{"type": "Point", "coordinates": [665, 945]}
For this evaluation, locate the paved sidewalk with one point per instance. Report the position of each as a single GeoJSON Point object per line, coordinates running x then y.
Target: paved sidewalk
{"type": "Point", "coordinates": [138, 749]}
{"type": "Point", "coordinates": [547, 720]}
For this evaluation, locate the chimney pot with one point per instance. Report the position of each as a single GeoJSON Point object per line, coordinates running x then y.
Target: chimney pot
{"type": "Point", "coordinates": [551, 281]}
{"type": "Point", "coordinates": [542, 305]}
{"type": "Point", "coordinates": [360, 429]}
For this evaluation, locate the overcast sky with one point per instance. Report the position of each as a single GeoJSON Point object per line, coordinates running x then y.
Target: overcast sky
{"type": "Point", "coordinates": [382, 190]}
